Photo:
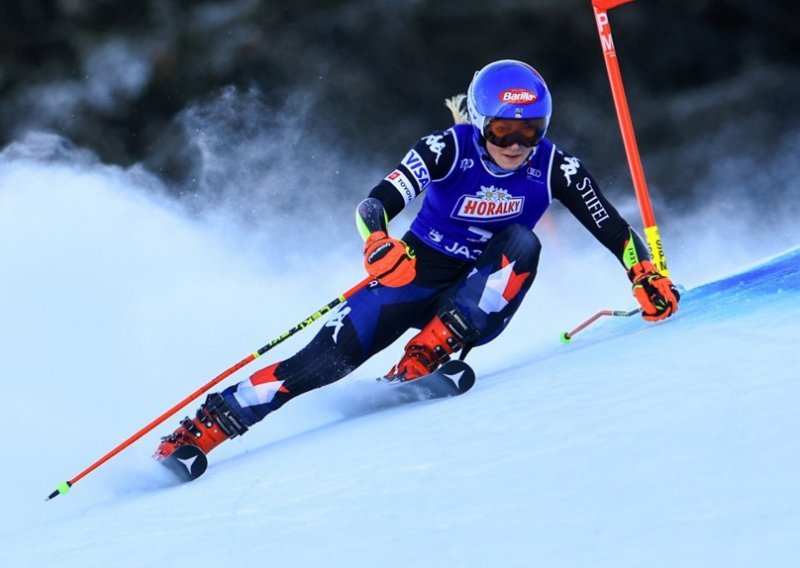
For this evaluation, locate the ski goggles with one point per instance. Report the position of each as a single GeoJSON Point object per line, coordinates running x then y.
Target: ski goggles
{"type": "Point", "coordinates": [504, 132]}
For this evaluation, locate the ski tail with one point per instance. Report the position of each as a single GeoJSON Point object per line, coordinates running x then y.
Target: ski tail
{"type": "Point", "coordinates": [187, 462]}
{"type": "Point", "coordinates": [451, 379]}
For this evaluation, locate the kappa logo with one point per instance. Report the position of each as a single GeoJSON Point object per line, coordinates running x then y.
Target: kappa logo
{"type": "Point", "coordinates": [489, 204]}
{"type": "Point", "coordinates": [570, 168]}
{"type": "Point", "coordinates": [436, 143]}
{"type": "Point", "coordinates": [337, 322]}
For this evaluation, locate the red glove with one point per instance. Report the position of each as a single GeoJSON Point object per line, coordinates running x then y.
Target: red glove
{"type": "Point", "coordinates": [655, 293]}
{"type": "Point", "coordinates": [389, 260]}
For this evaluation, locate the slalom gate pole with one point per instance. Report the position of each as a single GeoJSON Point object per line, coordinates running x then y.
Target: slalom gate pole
{"type": "Point", "coordinates": [652, 236]}
{"type": "Point", "coordinates": [567, 336]}
{"type": "Point", "coordinates": [65, 486]}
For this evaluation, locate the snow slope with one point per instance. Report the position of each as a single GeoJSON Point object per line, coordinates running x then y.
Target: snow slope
{"type": "Point", "coordinates": [637, 445]}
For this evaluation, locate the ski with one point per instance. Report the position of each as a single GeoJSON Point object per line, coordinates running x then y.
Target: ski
{"type": "Point", "coordinates": [451, 379]}
{"type": "Point", "coordinates": [187, 462]}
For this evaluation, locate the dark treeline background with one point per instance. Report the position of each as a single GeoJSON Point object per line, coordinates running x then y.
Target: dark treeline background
{"type": "Point", "coordinates": [706, 79]}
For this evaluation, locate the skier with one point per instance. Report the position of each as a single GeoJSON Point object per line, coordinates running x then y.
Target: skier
{"type": "Point", "coordinates": [461, 271]}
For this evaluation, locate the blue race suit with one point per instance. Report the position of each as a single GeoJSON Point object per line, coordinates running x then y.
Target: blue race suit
{"type": "Point", "coordinates": [475, 250]}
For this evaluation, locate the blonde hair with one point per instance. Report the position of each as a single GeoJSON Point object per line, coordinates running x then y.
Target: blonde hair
{"type": "Point", "coordinates": [458, 106]}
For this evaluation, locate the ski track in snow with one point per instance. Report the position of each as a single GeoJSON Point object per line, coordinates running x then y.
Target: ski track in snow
{"type": "Point", "coordinates": [636, 445]}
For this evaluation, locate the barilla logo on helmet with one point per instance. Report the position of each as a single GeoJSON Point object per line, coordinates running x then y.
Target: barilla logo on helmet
{"type": "Point", "coordinates": [518, 96]}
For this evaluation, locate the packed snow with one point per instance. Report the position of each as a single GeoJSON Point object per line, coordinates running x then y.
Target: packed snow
{"type": "Point", "coordinates": [670, 444]}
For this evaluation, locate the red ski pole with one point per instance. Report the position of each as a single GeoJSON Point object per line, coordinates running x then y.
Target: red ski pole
{"type": "Point", "coordinates": [65, 486]}
{"type": "Point", "coordinates": [628, 135]}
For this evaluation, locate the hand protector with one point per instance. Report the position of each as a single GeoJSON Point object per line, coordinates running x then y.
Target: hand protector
{"type": "Point", "coordinates": [657, 295]}
{"type": "Point", "coordinates": [389, 260]}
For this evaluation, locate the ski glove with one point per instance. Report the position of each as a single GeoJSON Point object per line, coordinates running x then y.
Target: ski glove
{"type": "Point", "coordinates": [389, 260]}
{"type": "Point", "coordinates": [657, 295]}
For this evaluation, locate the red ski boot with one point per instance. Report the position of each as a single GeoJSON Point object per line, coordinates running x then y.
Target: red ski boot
{"type": "Point", "coordinates": [214, 423]}
{"type": "Point", "coordinates": [445, 334]}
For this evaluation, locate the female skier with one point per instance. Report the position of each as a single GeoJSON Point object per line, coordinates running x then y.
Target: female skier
{"type": "Point", "coordinates": [461, 271]}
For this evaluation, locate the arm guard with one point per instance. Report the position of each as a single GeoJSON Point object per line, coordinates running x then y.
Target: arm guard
{"type": "Point", "coordinates": [371, 216]}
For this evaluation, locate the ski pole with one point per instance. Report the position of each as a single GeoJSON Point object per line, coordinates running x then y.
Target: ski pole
{"type": "Point", "coordinates": [567, 336]}
{"type": "Point", "coordinates": [628, 136]}
{"type": "Point", "coordinates": [65, 486]}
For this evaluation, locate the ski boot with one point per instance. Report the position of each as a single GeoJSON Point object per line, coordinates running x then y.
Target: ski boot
{"type": "Point", "coordinates": [214, 423]}
{"type": "Point", "coordinates": [445, 334]}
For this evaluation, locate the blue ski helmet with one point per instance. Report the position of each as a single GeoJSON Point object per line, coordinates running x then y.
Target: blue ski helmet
{"type": "Point", "coordinates": [509, 89]}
